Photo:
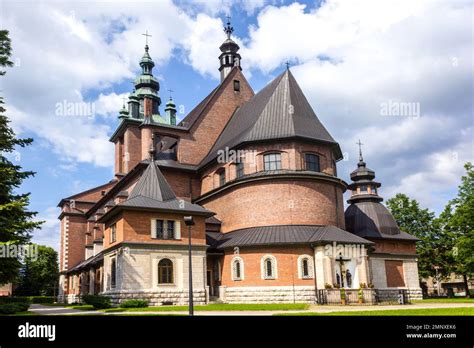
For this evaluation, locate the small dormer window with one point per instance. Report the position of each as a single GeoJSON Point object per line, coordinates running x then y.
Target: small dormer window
{"type": "Point", "coordinates": [113, 233]}
{"type": "Point", "coordinates": [222, 177]}
{"type": "Point", "coordinates": [236, 85]}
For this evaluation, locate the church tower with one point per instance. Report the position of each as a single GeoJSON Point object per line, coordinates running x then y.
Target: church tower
{"type": "Point", "coordinates": [363, 186]}
{"type": "Point", "coordinates": [229, 56]}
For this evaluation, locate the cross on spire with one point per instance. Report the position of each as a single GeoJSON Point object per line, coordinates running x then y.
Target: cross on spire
{"type": "Point", "coordinates": [170, 92]}
{"type": "Point", "coordinates": [123, 99]}
{"type": "Point", "coordinates": [287, 63]}
{"type": "Point", "coordinates": [146, 38]}
{"type": "Point", "coordinates": [360, 151]}
{"type": "Point", "coordinates": [228, 29]}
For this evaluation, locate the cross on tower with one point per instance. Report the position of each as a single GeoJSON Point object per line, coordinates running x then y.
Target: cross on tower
{"type": "Point", "coordinates": [287, 65]}
{"type": "Point", "coordinates": [146, 37]}
{"type": "Point", "coordinates": [123, 99]}
{"type": "Point", "coordinates": [228, 29]}
{"type": "Point", "coordinates": [170, 91]}
{"type": "Point", "coordinates": [360, 150]}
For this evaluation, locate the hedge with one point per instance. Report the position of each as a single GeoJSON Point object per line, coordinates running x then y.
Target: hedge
{"type": "Point", "coordinates": [4, 300]}
{"type": "Point", "coordinates": [97, 301]}
{"type": "Point", "coordinates": [12, 308]}
{"type": "Point", "coordinates": [134, 304]}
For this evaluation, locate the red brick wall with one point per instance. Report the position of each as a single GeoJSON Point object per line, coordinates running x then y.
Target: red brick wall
{"type": "Point", "coordinates": [287, 266]}
{"type": "Point", "coordinates": [194, 147]}
{"type": "Point", "coordinates": [278, 202]}
{"type": "Point", "coordinates": [395, 247]}
{"type": "Point", "coordinates": [394, 271]}
{"type": "Point", "coordinates": [132, 147]}
{"type": "Point", "coordinates": [135, 226]}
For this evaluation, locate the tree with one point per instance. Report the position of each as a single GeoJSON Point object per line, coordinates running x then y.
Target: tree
{"type": "Point", "coordinates": [16, 222]}
{"type": "Point", "coordinates": [421, 223]}
{"type": "Point", "coordinates": [458, 221]}
{"type": "Point", "coordinates": [39, 275]}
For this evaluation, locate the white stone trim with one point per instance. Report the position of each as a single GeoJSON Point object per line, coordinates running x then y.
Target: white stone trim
{"type": "Point", "coordinates": [274, 267]}
{"type": "Point", "coordinates": [310, 267]}
{"type": "Point", "coordinates": [232, 270]}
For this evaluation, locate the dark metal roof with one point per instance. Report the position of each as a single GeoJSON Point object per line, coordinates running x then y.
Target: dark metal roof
{"type": "Point", "coordinates": [152, 184]}
{"type": "Point", "coordinates": [371, 219]}
{"type": "Point", "coordinates": [280, 110]}
{"type": "Point", "coordinates": [283, 234]}
{"type": "Point", "coordinates": [152, 191]}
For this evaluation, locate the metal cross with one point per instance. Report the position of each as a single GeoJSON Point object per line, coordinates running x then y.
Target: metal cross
{"type": "Point", "coordinates": [287, 65]}
{"type": "Point", "coordinates": [146, 37]}
{"type": "Point", "coordinates": [360, 149]}
{"type": "Point", "coordinates": [170, 91]}
{"type": "Point", "coordinates": [123, 99]}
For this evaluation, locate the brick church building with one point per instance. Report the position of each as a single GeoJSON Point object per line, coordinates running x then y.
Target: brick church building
{"type": "Point", "coordinates": [257, 172]}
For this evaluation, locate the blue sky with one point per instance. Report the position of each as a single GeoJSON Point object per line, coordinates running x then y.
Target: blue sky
{"type": "Point", "coordinates": [350, 58]}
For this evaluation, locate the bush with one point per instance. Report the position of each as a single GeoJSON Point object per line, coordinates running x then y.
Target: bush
{"type": "Point", "coordinates": [12, 308]}
{"type": "Point", "coordinates": [15, 300]}
{"type": "Point", "coordinates": [134, 304]}
{"type": "Point", "coordinates": [42, 299]}
{"type": "Point", "coordinates": [97, 301]}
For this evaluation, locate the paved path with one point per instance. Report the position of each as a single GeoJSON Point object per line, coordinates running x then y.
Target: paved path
{"type": "Point", "coordinates": [55, 310]}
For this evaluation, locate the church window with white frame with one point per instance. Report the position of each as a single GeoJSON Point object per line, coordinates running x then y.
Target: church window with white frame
{"type": "Point", "coordinates": [269, 267]}
{"type": "Point", "coordinates": [305, 267]}
{"type": "Point", "coordinates": [237, 269]}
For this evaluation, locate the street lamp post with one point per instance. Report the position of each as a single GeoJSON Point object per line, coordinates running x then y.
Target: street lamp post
{"type": "Point", "coordinates": [189, 221]}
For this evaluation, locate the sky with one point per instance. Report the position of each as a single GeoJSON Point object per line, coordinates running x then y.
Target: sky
{"type": "Point", "coordinates": [398, 75]}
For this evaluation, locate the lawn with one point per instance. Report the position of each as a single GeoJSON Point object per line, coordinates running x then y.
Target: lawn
{"type": "Point", "coordinates": [218, 307]}
{"type": "Point", "coordinates": [463, 311]}
{"type": "Point", "coordinates": [446, 300]}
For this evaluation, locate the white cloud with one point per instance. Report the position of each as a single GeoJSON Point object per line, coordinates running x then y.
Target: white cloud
{"type": "Point", "coordinates": [352, 56]}
{"type": "Point", "coordinates": [48, 234]}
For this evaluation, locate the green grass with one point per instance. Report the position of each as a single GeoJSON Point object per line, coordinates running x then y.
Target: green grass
{"type": "Point", "coordinates": [218, 307]}
{"type": "Point", "coordinates": [59, 304]}
{"type": "Point", "coordinates": [446, 300]}
{"type": "Point", "coordinates": [463, 311]}
{"type": "Point", "coordinates": [28, 313]}
{"type": "Point", "coordinates": [83, 307]}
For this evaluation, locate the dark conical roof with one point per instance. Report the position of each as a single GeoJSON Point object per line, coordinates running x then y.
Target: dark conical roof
{"type": "Point", "coordinates": [280, 110]}
{"type": "Point", "coordinates": [152, 184]}
{"type": "Point", "coordinates": [370, 219]}
{"type": "Point", "coordinates": [152, 191]}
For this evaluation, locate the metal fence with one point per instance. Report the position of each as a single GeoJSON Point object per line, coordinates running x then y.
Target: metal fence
{"type": "Point", "coordinates": [363, 296]}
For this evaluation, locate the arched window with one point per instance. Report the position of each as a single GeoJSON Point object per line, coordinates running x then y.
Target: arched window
{"type": "Point", "coordinates": [113, 273]}
{"type": "Point", "coordinates": [305, 267]}
{"type": "Point", "coordinates": [272, 161]}
{"type": "Point", "coordinates": [269, 267]}
{"type": "Point", "coordinates": [237, 269]}
{"type": "Point", "coordinates": [165, 271]}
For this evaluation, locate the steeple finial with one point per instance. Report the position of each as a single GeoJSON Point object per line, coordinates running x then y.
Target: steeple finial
{"type": "Point", "coordinates": [361, 159]}
{"type": "Point", "coordinates": [287, 63]}
{"type": "Point", "coordinates": [170, 92]}
{"type": "Point", "coordinates": [228, 29]}
{"type": "Point", "coordinates": [146, 40]}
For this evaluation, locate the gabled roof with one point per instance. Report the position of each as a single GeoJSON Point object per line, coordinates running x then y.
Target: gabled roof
{"type": "Point", "coordinates": [284, 234]}
{"type": "Point", "coordinates": [196, 113]}
{"type": "Point", "coordinates": [280, 110]}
